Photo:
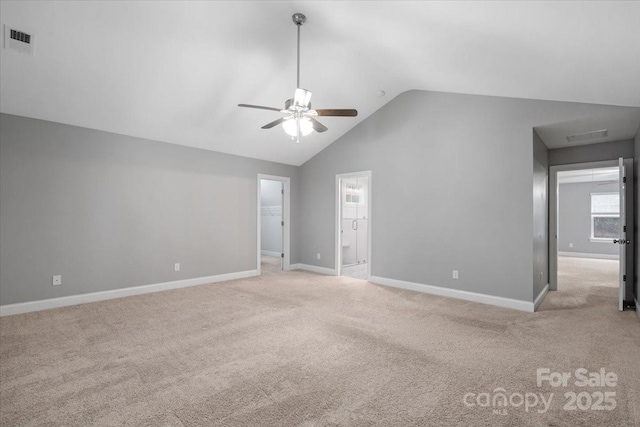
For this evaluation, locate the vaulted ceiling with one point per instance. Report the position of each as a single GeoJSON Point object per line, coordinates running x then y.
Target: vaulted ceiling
{"type": "Point", "coordinates": [175, 71]}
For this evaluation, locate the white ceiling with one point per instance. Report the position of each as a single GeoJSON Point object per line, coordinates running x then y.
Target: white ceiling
{"type": "Point", "coordinates": [620, 125]}
{"type": "Point", "coordinates": [175, 71]}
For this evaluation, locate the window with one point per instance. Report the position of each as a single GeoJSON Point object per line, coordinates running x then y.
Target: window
{"type": "Point", "coordinates": [352, 193]}
{"type": "Point", "coordinates": [605, 216]}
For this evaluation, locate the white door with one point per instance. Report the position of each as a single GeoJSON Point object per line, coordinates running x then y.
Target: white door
{"type": "Point", "coordinates": [622, 241]}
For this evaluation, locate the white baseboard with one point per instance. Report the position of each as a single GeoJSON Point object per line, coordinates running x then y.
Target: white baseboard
{"type": "Point", "coordinates": [540, 297]}
{"type": "Point", "coordinates": [454, 293]}
{"type": "Point", "coordinates": [27, 307]}
{"type": "Point", "coordinates": [270, 253]}
{"type": "Point", "coordinates": [586, 255]}
{"type": "Point", "coordinates": [315, 269]}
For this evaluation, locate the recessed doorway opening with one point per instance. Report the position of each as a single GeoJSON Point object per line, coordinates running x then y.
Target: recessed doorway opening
{"type": "Point", "coordinates": [589, 247]}
{"type": "Point", "coordinates": [588, 223]}
{"type": "Point", "coordinates": [273, 223]}
{"type": "Point", "coordinates": [353, 225]}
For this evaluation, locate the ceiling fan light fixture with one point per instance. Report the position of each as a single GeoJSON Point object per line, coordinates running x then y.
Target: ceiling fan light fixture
{"type": "Point", "coordinates": [291, 126]}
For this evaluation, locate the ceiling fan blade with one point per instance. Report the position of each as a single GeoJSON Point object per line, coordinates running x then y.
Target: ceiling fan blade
{"type": "Point", "coordinates": [259, 107]}
{"type": "Point", "coordinates": [273, 123]}
{"type": "Point", "coordinates": [317, 126]}
{"type": "Point", "coordinates": [302, 97]}
{"type": "Point", "coordinates": [337, 113]}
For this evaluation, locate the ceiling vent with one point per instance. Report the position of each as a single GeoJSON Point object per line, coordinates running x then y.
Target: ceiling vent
{"type": "Point", "coordinates": [588, 136]}
{"type": "Point", "coordinates": [18, 40]}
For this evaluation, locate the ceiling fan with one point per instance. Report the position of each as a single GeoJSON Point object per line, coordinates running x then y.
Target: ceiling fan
{"type": "Point", "coordinates": [298, 117]}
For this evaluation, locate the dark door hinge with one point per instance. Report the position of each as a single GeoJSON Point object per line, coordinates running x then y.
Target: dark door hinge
{"type": "Point", "coordinates": [281, 255]}
{"type": "Point", "coordinates": [282, 223]}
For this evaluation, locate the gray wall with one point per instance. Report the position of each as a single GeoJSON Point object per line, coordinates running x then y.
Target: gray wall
{"type": "Point", "coordinates": [637, 215]}
{"type": "Point", "coordinates": [271, 221]}
{"type": "Point", "coordinates": [574, 214]}
{"type": "Point", "coordinates": [109, 211]}
{"type": "Point", "coordinates": [540, 215]}
{"type": "Point", "coordinates": [592, 153]}
{"type": "Point", "coordinates": [451, 179]}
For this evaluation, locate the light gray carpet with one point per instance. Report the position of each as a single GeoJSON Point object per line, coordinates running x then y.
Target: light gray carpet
{"type": "Point", "coordinates": [302, 349]}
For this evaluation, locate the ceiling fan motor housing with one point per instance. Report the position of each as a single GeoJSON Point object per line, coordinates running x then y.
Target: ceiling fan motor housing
{"type": "Point", "coordinates": [290, 105]}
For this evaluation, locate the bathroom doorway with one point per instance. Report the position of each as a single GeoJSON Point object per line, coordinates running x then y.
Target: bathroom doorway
{"type": "Point", "coordinates": [353, 253]}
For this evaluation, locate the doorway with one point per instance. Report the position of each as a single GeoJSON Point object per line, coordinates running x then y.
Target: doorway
{"type": "Point", "coordinates": [353, 223]}
{"type": "Point", "coordinates": [273, 223]}
{"type": "Point", "coordinates": [589, 252]}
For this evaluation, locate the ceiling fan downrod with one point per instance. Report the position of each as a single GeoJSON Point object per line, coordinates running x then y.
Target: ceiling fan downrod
{"type": "Point", "coordinates": [298, 19]}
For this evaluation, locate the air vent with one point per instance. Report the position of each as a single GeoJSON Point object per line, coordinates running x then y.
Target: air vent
{"type": "Point", "coordinates": [20, 36]}
{"type": "Point", "coordinates": [18, 40]}
{"type": "Point", "coordinates": [588, 136]}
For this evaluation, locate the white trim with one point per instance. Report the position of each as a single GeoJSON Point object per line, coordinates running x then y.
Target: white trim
{"type": "Point", "coordinates": [454, 293]}
{"type": "Point", "coordinates": [338, 246]}
{"type": "Point", "coordinates": [286, 217]}
{"type": "Point", "coordinates": [270, 253]}
{"type": "Point", "coordinates": [315, 269]}
{"type": "Point", "coordinates": [540, 297]}
{"type": "Point", "coordinates": [45, 304]}
{"type": "Point", "coordinates": [587, 255]}
{"type": "Point", "coordinates": [637, 308]}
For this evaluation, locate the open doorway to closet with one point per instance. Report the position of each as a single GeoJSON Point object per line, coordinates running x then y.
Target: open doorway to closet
{"type": "Point", "coordinates": [273, 223]}
{"type": "Point", "coordinates": [353, 252]}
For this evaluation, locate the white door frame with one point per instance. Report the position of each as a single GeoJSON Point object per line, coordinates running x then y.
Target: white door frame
{"type": "Point", "coordinates": [286, 217]}
{"type": "Point", "coordinates": [338, 252]}
{"type": "Point", "coordinates": [553, 212]}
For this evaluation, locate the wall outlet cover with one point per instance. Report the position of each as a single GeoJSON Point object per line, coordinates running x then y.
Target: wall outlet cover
{"type": "Point", "coordinates": [176, 267]}
{"type": "Point", "coordinates": [455, 274]}
{"type": "Point", "coordinates": [57, 280]}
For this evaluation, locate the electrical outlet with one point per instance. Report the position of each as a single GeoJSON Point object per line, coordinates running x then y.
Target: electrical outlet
{"type": "Point", "coordinates": [176, 267]}
{"type": "Point", "coordinates": [57, 280]}
{"type": "Point", "coordinates": [570, 245]}
{"type": "Point", "coordinates": [455, 274]}
{"type": "Point", "coordinates": [318, 255]}
{"type": "Point", "coordinates": [541, 278]}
